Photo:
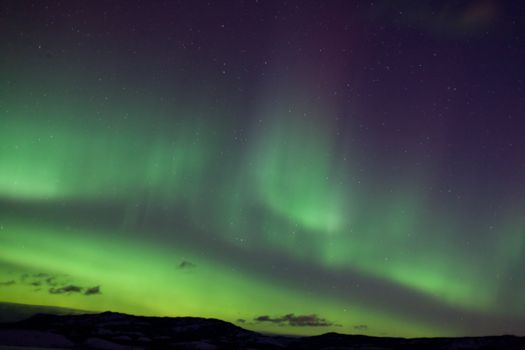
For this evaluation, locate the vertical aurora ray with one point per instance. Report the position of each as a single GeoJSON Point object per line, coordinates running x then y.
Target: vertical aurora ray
{"type": "Point", "coordinates": [313, 201]}
{"type": "Point", "coordinates": [53, 159]}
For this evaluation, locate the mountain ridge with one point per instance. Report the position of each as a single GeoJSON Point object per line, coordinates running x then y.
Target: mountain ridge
{"type": "Point", "coordinates": [12, 312]}
{"type": "Point", "coordinates": [118, 331]}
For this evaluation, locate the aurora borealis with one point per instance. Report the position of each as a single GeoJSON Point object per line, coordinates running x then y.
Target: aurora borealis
{"type": "Point", "coordinates": [360, 165]}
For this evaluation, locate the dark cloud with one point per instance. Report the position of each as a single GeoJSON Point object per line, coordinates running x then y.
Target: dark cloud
{"type": "Point", "coordinates": [55, 284]}
{"type": "Point", "coordinates": [464, 19]}
{"type": "Point", "coordinates": [296, 320]}
{"type": "Point", "coordinates": [186, 265]}
{"type": "Point", "coordinates": [71, 288]}
{"type": "Point", "coordinates": [92, 291]}
{"type": "Point", "coordinates": [41, 275]}
{"type": "Point", "coordinates": [51, 281]}
{"type": "Point", "coordinates": [265, 319]}
{"type": "Point", "coordinates": [361, 327]}
{"type": "Point", "coordinates": [39, 279]}
{"type": "Point", "coordinates": [66, 289]}
{"type": "Point", "coordinates": [7, 283]}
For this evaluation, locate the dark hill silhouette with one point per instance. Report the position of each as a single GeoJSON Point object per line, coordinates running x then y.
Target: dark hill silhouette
{"type": "Point", "coordinates": [110, 330]}
{"type": "Point", "coordinates": [11, 312]}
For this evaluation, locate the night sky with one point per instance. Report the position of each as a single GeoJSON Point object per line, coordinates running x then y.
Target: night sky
{"type": "Point", "coordinates": [294, 167]}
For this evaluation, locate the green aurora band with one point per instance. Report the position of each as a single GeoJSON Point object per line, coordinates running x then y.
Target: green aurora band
{"type": "Point", "coordinates": [176, 204]}
{"type": "Point", "coordinates": [286, 196]}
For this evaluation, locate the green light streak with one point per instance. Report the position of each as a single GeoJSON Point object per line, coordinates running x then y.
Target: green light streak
{"type": "Point", "coordinates": [145, 279]}
{"type": "Point", "coordinates": [316, 198]}
{"type": "Point", "coordinates": [285, 191]}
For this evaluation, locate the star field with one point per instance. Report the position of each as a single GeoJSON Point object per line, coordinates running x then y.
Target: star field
{"type": "Point", "coordinates": [293, 167]}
